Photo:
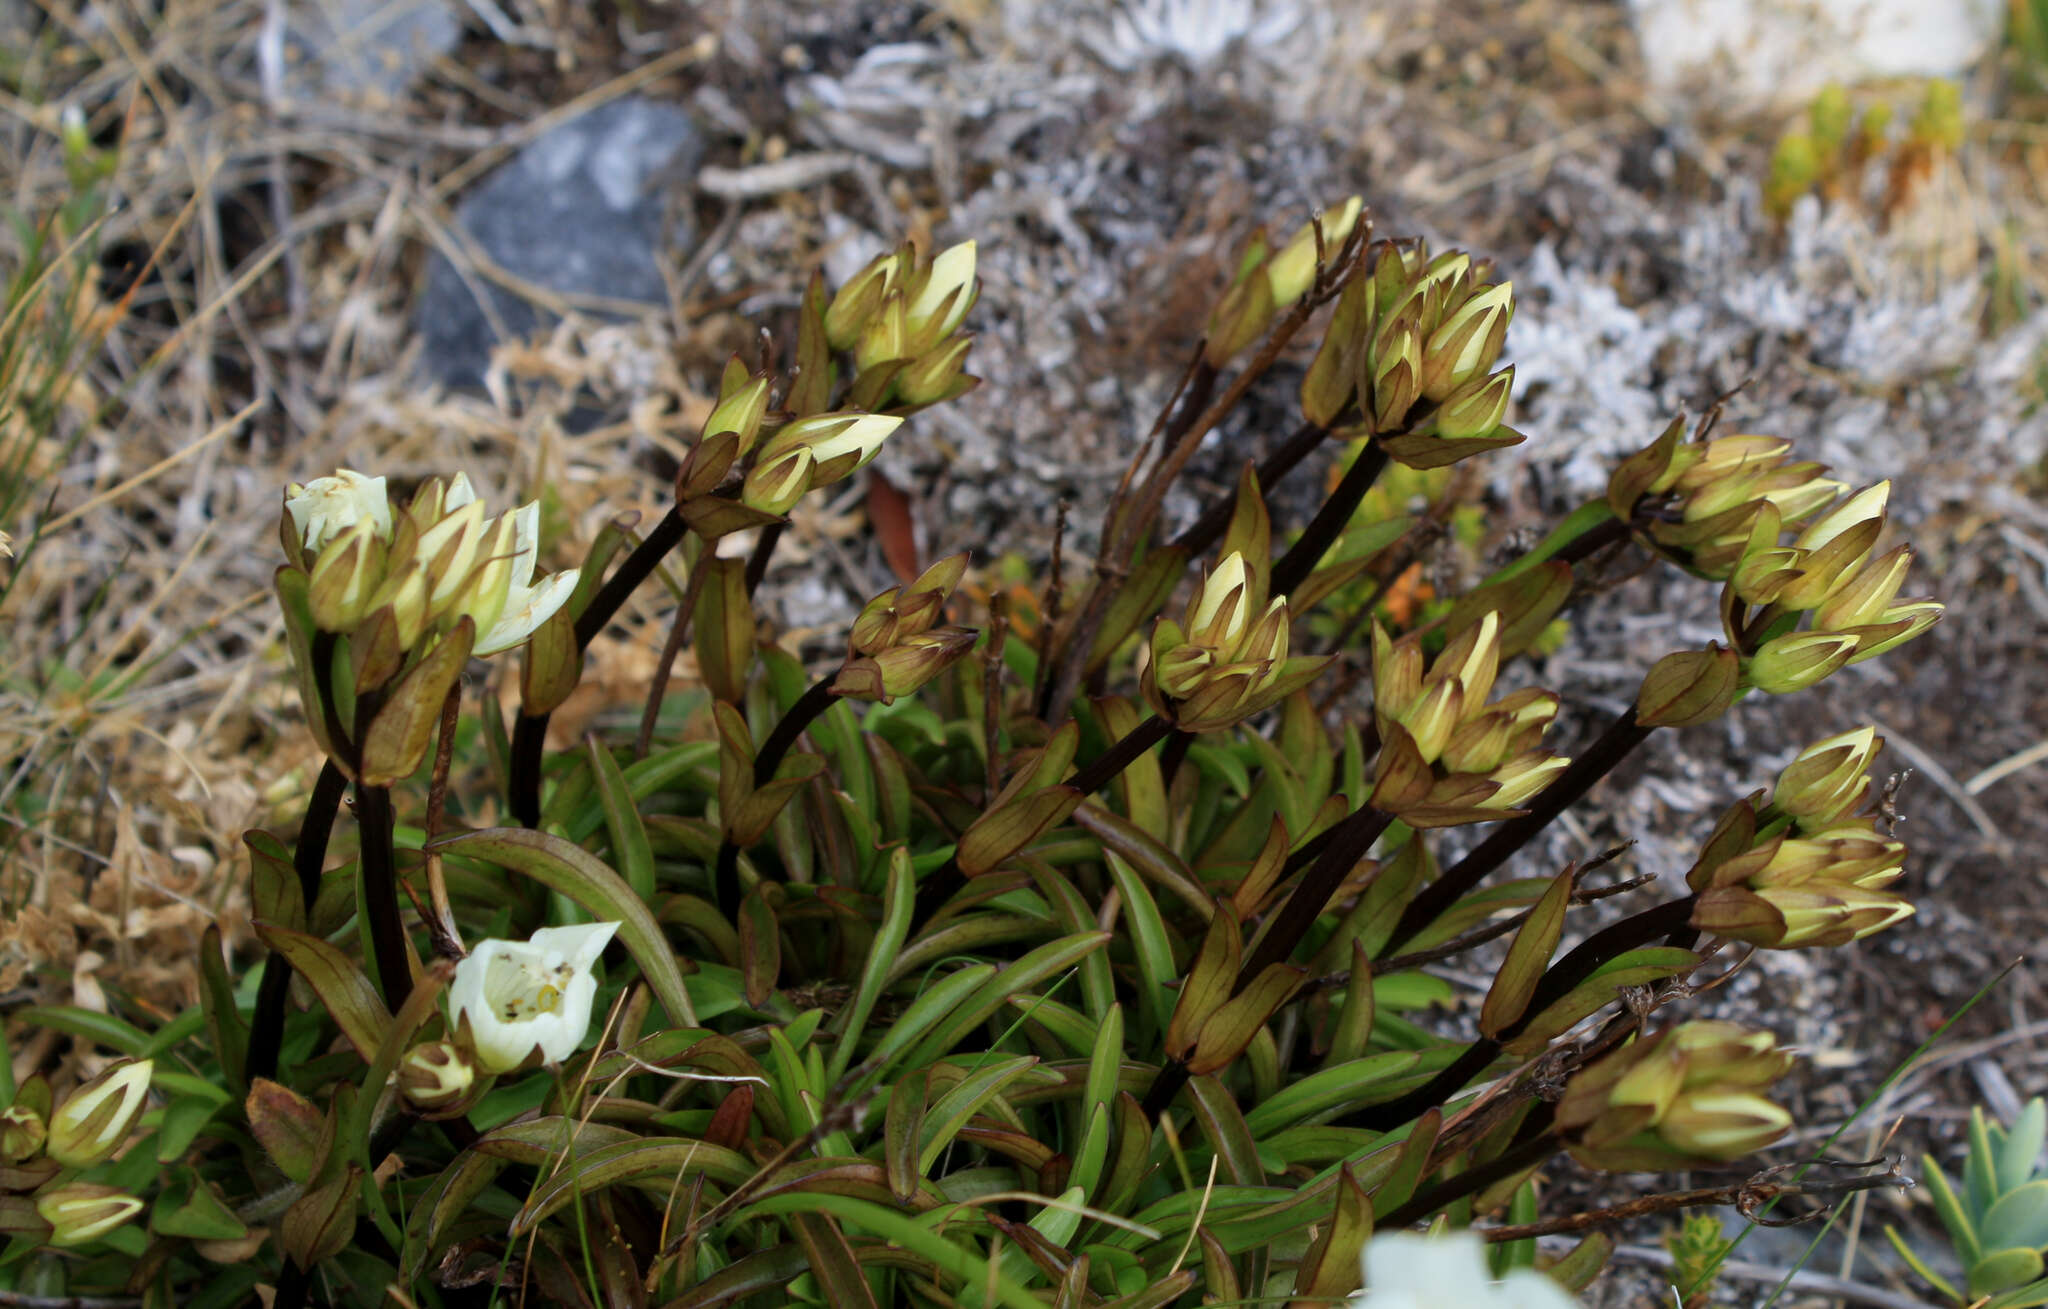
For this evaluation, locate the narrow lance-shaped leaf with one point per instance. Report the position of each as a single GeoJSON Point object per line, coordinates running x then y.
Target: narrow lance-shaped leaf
{"type": "Point", "coordinates": [396, 744]}
{"type": "Point", "coordinates": [347, 995]}
{"type": "Point", "coordinates": [561, 866]}
{"type": "Point", "coordinates": [1535, 941]}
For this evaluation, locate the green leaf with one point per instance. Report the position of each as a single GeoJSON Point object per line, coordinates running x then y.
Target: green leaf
{"type": "Point", "coordinates": [1514, 985]}
{"type": "Point", "coordinates": [772, 1269]}
{"type": "Point", "coordinates": [969, 1266]}
{"type": "Point", "coordinates": [1024, 974]}
{"type": "Point", "coordinates": [1332, 1269]}
{"type": "Point", "coordinates": [2021, 1149]}
{"type": "Point", "coordinates": [2017, 1220]}
{"type": "Point", "coordinates": [223, 1021]}
{"type": "Point", "coordinates": [760, 947]}
{"type": "Point", "coordinates": [188, 1207]}
{"type": "Point", "coordinates": [88, 1025]}
{"type": "Point", "coordinates": [902, 1131]}
{"type": "Point", "coordinates": [182, 1121]}
{"type": "Point", "coordinates": [1576, 1269]}
{"type": "Point", "coordinates": [897, 902]}
{"type": "Point", "coordinates": [1962, 1232]}
{"type": "Point", "coordinates": [561, 866]}
{"type": "Point", "coordinates": [831, 1262]}
{"type": "Point", "coordinates": [923, 1012]}
{"type": "Point", "coordinates": [1161, 1293]}
{"type": "Point", "coordinates": [2004, 1270]}
{"type": "Point", "coordinates": [1156, 969]}
{"type": "Point", "coordinates": [1925, 1273]}
{"type": "Point", "coordinates": [627, 834]}
{"type": "Point", "coordinates": [960, 1102]}
{"type": "Point", "coordinates": [654, 1164]}
{"type": "Point", "coordinates": [1216, 1110]}
{"type": "Point", "coordinates": [396, 744]}
{"type": "Point", "coordinates": [347, 995]}
{"type": "Point", "coordinates": [1344, 1087]}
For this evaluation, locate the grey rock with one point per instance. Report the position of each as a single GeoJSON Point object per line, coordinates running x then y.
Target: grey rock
{"type": "Point", "coordinates": [364, 50]}
{"type": "Point", "coordinates": [580, 212]}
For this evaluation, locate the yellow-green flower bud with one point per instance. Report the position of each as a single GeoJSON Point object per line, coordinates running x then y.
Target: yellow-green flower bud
{"type": "Point", "coordinates": [1394, 365]}
{"type": "Point", "coordinates": [1522, 778]}
{"type": "Point", "coordinates": [905, 666]}
{"type": "Point", "coordinates": [936, 374]}
{"type": "Point", "coordinates": [839, 443]}
{"type": "Point", "coordinates": [944, 294]}
{"type": "Point", "coordinates": [436, 1078]}
{"type": "Point", "coordinates": [1290, 273]}
{"type": "Point", "coordinates": [1686, 1094]}
{"type": "Point", "coordinates": [22, 1132]}
{"type": "Point", "coordinates": [90, 1125]}
{"type": "Point", "coordinates": [1468, 341]}
{"type": "Point", "coordinates": [83, 1211]}
{"type": "Point", "coordinates": [886, 336]}
{"type": "Point", "coordinates": [858, 301]}
{"type": "Point", "coordinates": [346, 574]}
{"type": "Point", "coordinates": [773, 486]}
{"type": "Point", "coordinates": [1476, 408]}
{"type": "Point", "coordinates": [1828, 779]}
{"type": "Point", "coordinates": [1798, 660]}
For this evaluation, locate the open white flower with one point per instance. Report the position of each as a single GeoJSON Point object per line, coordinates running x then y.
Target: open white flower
{"type": "Point", "coordinates": [1407, 1271]}
{"type": "Point", "coordinates": [325, 507]}
{"type": "Point", "coordinates": [503, 599]}
{"type": "Point", "coordinates": [518, 997]}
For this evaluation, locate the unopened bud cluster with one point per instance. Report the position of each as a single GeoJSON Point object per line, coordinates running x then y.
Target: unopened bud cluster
{"type": "Point", "coordinates": [1802, 872]}
{"type": "Point", "coordinates": [1446, 755]}
{"type": "Point", "coordinates": [1269, 281]}
{"type": "Point", "coordinates": [1795, 611]}
{"type": "Point", "coordinates": [899, 317]}
{"type": "Point", "coordinates": [1227, 659]}
{"type": "Point", "coordinates": [41, 1149]}
{"type": "Point", "coordinates": [1689, 1094]}
{"type": "Point", "coordinates": [1409, 356]}
{"type": "Point", "coordinates": [897, 644]}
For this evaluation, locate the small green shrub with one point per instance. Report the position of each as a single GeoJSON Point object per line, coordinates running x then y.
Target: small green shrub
{"type": "Point", "coordinates": [1087, 969]}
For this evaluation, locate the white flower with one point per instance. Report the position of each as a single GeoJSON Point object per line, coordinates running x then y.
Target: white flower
{"type": "Point", "coordinates": [325, 507]}
{"type": "Point", "coordinates": [1407, 1271]}
{"type": "Point", "coordinates": [505, 603]}
{"type": "Point", "coordinates": [519, 997]}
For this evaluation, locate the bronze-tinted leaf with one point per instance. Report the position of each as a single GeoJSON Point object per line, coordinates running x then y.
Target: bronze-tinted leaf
{"type": "Point", "coordinates": [348, 996]}
{"type": "Point", "coordinates": [396, 744]}
{"type": "Point", "coordinates": [1514, 985]}
{"type": "Point", "coordinates": [288, 1126]}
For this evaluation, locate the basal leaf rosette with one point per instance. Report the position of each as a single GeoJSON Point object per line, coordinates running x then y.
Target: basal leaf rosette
{"type": "Point", "coordinates": [1227, 659]}
{"type": "Point", "coordinates": [1448, 757]}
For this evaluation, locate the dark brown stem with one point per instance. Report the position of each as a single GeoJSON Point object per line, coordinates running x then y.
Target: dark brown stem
{"type": "Point", "coordinates": [1122, 530]}
{"type": "Point", "coordinates": [1104, 768]}
{"type": "Point", "coordinates": [530, 733]}
{"type": "Point", "coordinates": [764, 550]}
{"type": "Point", "coordinates": [266, 1025]}
{"type": "Point", "coordinates": [1612, 531]}
{"type": "Point", "coordinates": [816, 699]}
{"type": "Point", "coordinates": [678, 632]}
{"type": "Point", "coordinates": [380, 893]}
{"type": "Point", "coordinates": [1330, 520]}
{"type": "Point", "coordinates": [529, 736]}
{"type": "Point", "coordinates": [1173, 756]}
{"type": "Point", "coordinates": [637, 568]}
{"type": "Point", "coordinates": [1473, 1180]}
{"type": "Point", "coordinates": [1580, 963]}
{"type": "Point", "coordinates": [1215, 520]}
{"type": "Point", "coordinates": [947, 880]}
{"type": "Point", "coordinates": [1352, 838]}
{"type": "Point", "coordinates": [1622, 736]}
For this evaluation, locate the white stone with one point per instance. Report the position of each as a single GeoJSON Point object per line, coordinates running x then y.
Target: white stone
{"type": "Point", "coordinates": [1759, 53]}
